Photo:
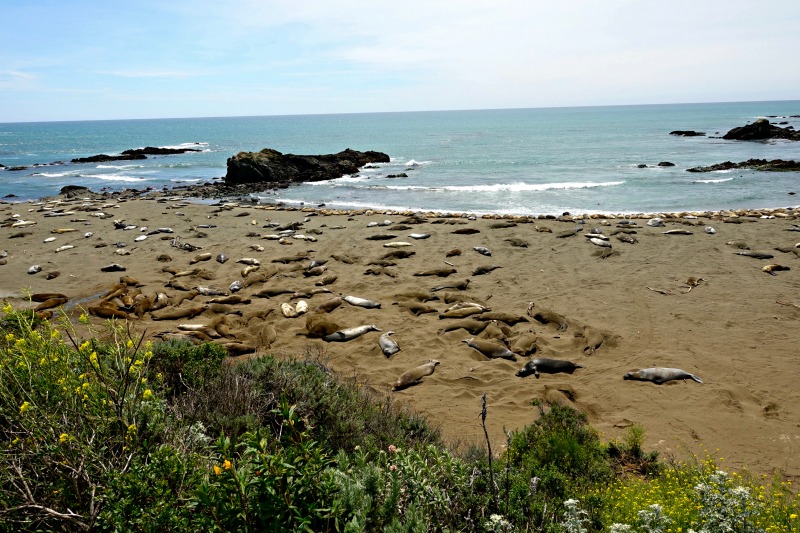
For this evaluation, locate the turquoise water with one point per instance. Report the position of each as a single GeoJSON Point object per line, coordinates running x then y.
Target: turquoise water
{"type": "Point", "coordinates": [527, 161]}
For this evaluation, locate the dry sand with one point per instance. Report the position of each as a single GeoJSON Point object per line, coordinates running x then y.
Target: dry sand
{"type": "Point", "coordinates": [730, 330]}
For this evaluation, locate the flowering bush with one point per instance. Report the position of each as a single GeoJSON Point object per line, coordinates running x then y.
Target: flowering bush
{"type": "Point", "coordinates": [73, 415]}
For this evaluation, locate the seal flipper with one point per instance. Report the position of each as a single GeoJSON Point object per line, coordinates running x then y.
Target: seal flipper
{"type": "Point", "coordinates": [692, 376]}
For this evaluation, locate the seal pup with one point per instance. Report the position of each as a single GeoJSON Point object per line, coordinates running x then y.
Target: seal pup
{"type": "Point", "coordinates": [660, 375]}
{"type": "Point", "coordinates": [755, 255]}
{"type": "Point", "coordinates": [490, 349]}
{"type": "Point", "coordinates": [415, 375]}
{"type": "Point", "coordinates": [771, 269]}
{"type": "Point", "coordinates": [388, 346]}
{"type": "Point", "coordinates": [547, 366]}
{"type": "Point", "coordinates": [344, 335]}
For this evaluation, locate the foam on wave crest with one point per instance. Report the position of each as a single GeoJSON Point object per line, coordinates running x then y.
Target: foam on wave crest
{"type": "Point", "coordinates": [713, 181]}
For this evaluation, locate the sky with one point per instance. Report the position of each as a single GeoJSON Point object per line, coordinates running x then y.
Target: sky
{"type": "Point", "coordinates": [87, 59]}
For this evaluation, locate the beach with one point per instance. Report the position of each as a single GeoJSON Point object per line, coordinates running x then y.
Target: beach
{"type": "Point", "coordinates": [624, 307]}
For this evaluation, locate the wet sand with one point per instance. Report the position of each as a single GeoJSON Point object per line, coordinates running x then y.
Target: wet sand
{"type": "Point", "coordinates": [737, 329]}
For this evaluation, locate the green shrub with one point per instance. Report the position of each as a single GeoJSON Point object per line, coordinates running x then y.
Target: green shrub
{"type": "Point", "coordinates": [267, 482]}
{"type": "Point", "coordinates": [185, 366]}
{"type": "Point", "coordinates": [557, 457]}
{"type": "Point", "coordinates": [72, 416]}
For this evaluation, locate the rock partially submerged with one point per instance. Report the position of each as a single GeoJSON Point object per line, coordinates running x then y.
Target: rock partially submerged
{"type": "Point", "coordinates": [134, 154]}
{"type": "Point", "coordinates": [761, 130]}
{"type": "Point", "coordinates": [776, 165]}
{"type": "Point", "coordinates": [272, 166]}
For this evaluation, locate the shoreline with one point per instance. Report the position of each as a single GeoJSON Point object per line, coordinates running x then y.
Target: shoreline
{"type": "Point", "coordinates": [729, 329]}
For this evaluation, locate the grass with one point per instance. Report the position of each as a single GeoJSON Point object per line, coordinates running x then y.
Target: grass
{"type": "Point", "coordinates": [111, 433]}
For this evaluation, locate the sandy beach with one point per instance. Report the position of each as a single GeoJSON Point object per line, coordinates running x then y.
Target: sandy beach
{"type": "Point", "coordinates": [625, 307]}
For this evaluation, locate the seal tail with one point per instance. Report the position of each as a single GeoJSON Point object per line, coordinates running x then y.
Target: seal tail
{"type": "Point", "coordinates": [692, 376]}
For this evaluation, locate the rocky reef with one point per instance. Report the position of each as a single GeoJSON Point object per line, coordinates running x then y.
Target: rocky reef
{"type": "Point", "coordinates": [761, 130]}
{"type": "Point", "coordinates": [272, 166]}
{"type": "Point", "coordinates": [776, 165]}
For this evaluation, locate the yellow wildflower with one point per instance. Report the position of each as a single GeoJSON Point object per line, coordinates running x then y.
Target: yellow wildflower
{"type": "Point", "coordinates": [227, 464]}
{"type": "Point", "coordinates": [55, 334]}
{"type": "Point", "coordinates": [63, 438]}
{"type": "Point", "coordinates": [132, 428]}
{"type": "Point", "coordinates": [7, 309]}
{"type": "Point", "coordinates": [85, 346]}
{"type": "Point", "coordinates": [217, 470]}
{"type": "Point", "coordinates": [93, 358]}
{"type": "Point", "coordinates": [24, 407]}
{"type": "Point", "coordinates": [10, 337]}
{"type": "Point", "coordinates": [147, 394]}
{"type": "Point", "coordinates": [84, 318]}
{"type": "Point", "coordinates": [129, 344]}
{"type": "Point", "coordinates": [793, 516]}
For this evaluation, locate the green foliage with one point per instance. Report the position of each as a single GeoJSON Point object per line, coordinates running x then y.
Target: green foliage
{"type": "Point", "coordinates": [71, 418]}
{"type": "Point", "coordinates": [557, 457]}
{"type": "Point", "coordinates": [185, 366]}
{"type": "Point", "coordinates": [402, 490]}
{"type": "Point", "coordinates": [267, 482]}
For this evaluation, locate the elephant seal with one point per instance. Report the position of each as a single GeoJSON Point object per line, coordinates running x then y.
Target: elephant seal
{"type": "Point", "coordinates": [490, 349]}
{"type": "Point", "coordinates": [469, 324]}
{"type": "Point", "coordinates": [525, 344]}
{"type": "Point", "coordinates": [319, 326]}
{"type": "Point", "coordinates": [186, 312]}
{"type": "Point", "coordinates": [415, 375]}
{"type": "Point", "coordinates": [344, 335]}
{"type": "Point", "coordinates": [660, 375]}
{"type": "Point", "coordinates": [547, 366]}
{"type": "Point", "coordinates": [388, 346]}
{"type": "Point", "coordinates": [361, 302]}
{"type": "Point", "coordinates": [546, 316]}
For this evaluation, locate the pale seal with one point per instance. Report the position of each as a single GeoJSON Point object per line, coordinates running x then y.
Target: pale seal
{"type": "Point", "coordinates": [660, 375]}
{"type": "Point", "coordinates": [344, 335]}
{"type": "Point", "coordinates": [415, 375]}
{"type": "Point", "coordinates": [547, 366]}
{"type": "Point", "coordinates": [361, 302]}
{"type": "Point", "coordinates": [388, 346]}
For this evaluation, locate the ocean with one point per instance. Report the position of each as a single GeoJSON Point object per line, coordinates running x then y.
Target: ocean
{"type": "Point", "coordinates": [521, 161]}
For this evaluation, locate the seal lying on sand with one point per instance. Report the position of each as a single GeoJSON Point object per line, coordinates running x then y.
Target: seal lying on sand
{"type": "Point", "coordinates": [547, 366]}
{"type": "Point", "coordinates": [415, 375]}
{"type": "Point", "coordinates": [660, 375]}
{"type": "Point", "coordinates": [344, 335]}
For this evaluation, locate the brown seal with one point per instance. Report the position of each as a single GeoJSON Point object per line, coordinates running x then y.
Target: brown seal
{"type": "Point", "coordinates": [490, 349]}
{"type": "Point", "coordinates": [546, 316]}
{"type": "Point", "coordinates": [415, 375]}
{"type": "Point", "coordinates": [184, 312]}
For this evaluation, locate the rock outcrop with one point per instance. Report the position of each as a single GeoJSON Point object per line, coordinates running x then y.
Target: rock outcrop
{"type": "Point", "coordinates": [688, 133]}
{"type": "Point", "coordinates": [133, 154]}
{"type": "Point", "coordinates": [271, 166]}
{"type": "Point", "coordinates": [761, 130]}
{"type": "Point", "coordinates": [776, 165]}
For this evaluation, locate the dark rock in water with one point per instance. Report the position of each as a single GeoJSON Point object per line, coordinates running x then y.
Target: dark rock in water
{"type": "Point", "coordinates": [761, 130]}
{"type": "Point", "coordinates": [401, 175]}
{"type": "Point", "coordinates": [12, 195]}
{"type": "Point", "coordinates": [158, 150]}
{"type": "Point", "coordinates": [71, 191]}
{"type": "Point", "coordinates": [103, 158]}
{"type": "Point", "coordinates": [688, 133]}
{"type": "Point", "coordinates": [776, 165]}
{"type": "Point", "coordinates": [16, 168]}
{"type": "Point", "coordinates": [641, 165]}
{"type": "Point", "coordinates": [666, 164]}
{"type": "Point", "coordinates": [272, 166]}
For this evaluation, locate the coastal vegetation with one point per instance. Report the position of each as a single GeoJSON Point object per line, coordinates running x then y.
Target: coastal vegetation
{"type": "Point", "coordinates": [114, 433]}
